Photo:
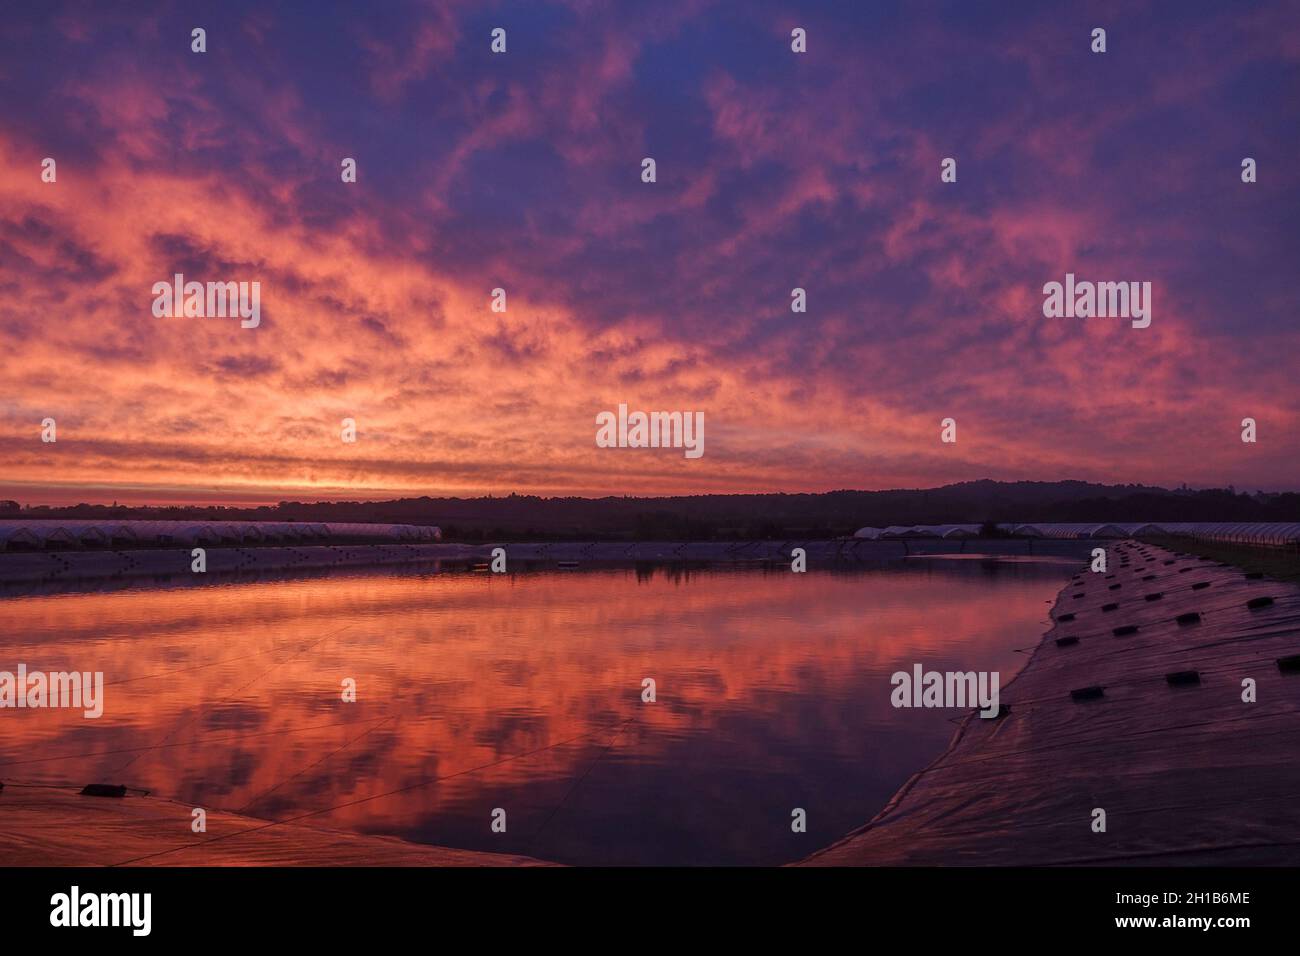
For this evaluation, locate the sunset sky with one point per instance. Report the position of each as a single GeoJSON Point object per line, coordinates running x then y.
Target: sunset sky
{"type": "Point", "coordinates": [522, 170]}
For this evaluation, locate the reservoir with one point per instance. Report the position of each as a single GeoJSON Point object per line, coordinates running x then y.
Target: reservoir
{"type": "Point", "coordinates": [523, 692]}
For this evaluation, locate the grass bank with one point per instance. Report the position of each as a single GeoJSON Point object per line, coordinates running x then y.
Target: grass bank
{"type": "Point", "coordinates": [1281, 564]}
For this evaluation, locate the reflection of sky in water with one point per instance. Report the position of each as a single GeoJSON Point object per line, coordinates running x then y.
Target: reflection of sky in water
{"type": "Point", "coordinates": [773, 693]}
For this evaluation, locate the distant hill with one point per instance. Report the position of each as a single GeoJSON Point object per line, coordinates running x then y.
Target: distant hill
{"type": "Point", "coordinates": [703, 517]}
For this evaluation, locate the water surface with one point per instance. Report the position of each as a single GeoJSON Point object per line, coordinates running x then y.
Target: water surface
{"type": "Point", "coordinates": [523, 692]}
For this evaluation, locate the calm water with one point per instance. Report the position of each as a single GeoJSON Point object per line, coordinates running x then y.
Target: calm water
{"type": "Point", "coordinates": [478, 691]}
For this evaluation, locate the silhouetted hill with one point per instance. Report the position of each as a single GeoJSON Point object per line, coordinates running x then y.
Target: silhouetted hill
{"type": "Point", "coordinates": [702, 517]}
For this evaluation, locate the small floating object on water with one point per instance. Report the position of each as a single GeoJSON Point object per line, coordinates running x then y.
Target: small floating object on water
{"type": "Point", "coordinates": [1259, 602]}
{"type": "Point", "coordinates": [1079, 595]}
{"type": "Point", "coordinates": [1155, 596]}
{"type": "Point", "coordinates": [1066, 641]}
{"type": "Point", "coordinates": [1087, 693]}
{"type": "Point", "coordinates": [1170, 561]}
{"type": "Point", "coordinates": [1148, 577]}
{"type": "Point", "coordinates": [1115, 587]}
{"type": "Point", "coordinates": [1289, 665]}
{"type": "Point", "coordinates": [566, 565]}
{"type": "Point", "coordinates": [1109, 607]}
{"type": "Point", "coordinates": [1191, 617]}
{"type": "Point", "coordinates": [103, 790]}
{"type": "Point", "coordinates": [1200, 585]}
{"type": "Point", "coordinates": [1124, 630]}
{"type": "Point", "coordinates": [1066, 617]}
{"type": "Point", "coordinates": [1183, 678]}
{"type": "Point", "coordinates": [1185, 570]}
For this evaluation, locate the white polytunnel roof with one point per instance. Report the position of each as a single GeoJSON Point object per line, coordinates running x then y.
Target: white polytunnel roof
{"type": "Point", "coordinates": [1080, 530]}
{"type": "Point", "coordinates": [1136, 530]}
{"type": "Point", "coordinates": [1271, 532]}
{"type": "Point", "coordinates": [383, 532]}
{"type": "Point", "coordinates": [209, 533]}
{"type": "Point", "coordinates": [58, 536]}
{"type": "Point", "coordinates": [1249, 532]}
{"type": "Point", "coordinates": [90, 535]}
{"type": "Point", "coordinates": [46, 533]}
{"type": "Point", "coordinates": [896, 531]}
{"type": "Point", "coordinates": [16, 535]}
{"type": "Point", "coordinates": [957, 530]}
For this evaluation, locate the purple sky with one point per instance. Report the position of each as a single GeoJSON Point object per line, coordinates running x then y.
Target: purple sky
{"type": "Point", "coordinates": [522, 171]}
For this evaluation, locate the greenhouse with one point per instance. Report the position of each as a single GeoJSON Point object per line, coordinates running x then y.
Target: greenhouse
{"type": "Point", "coordinates": [74, 534]}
